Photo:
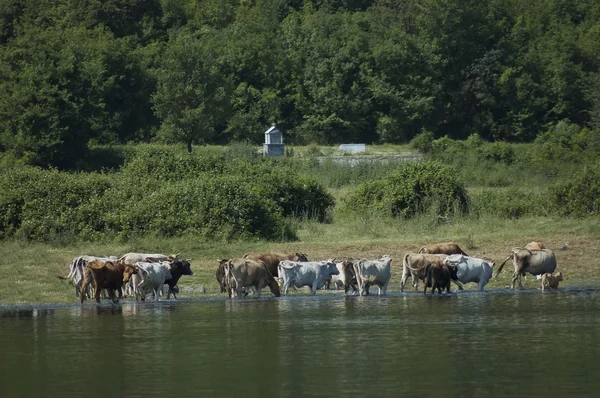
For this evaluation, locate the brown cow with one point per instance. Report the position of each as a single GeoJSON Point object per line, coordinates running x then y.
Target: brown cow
{"type": "Point", "coordinates": [243, 273]}
{"type": "Point", "coordinates": [414, 265]}
{"type": "Point", "coordinates": [221, 275]}
{"type": "Point", "coordinates": [551, 281]}
{"type": "Point", "coordinates": [272, 259]}
{"type": "Point", "coordinates": [442, 248]}
{"type": "Point", "coordinates": [107, 275]}
{"type": "Point", "coordinates": [437, 277]}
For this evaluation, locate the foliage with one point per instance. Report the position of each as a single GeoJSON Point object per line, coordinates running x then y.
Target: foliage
{"type": "Point", "coordinates": [580, 196]}
{"type": "Point", "coordinates": [511, 203]}
{"type": "Point", "coordinates": [75, 74]}
{"type": "Point", "coordinates": [412, 189]}
{"type": "Point", "coordinates": [423, 142]}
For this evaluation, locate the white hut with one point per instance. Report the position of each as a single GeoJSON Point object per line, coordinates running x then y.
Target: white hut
{"type": "Point", "coordinates": [273, 145]}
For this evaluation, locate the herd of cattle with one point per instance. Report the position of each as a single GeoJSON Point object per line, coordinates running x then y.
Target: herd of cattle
{"type": "Point", "coordinates": [436, 265]}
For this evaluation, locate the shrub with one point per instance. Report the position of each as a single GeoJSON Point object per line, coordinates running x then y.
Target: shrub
{"type": "Point", "coordinates": [580, 196]}
{"type": "Point", "coordinates": [412, 189]}
{"type": "Point", "coordinates": [501, 152]}
{"type": "Point", "coordinates": [423, 142]}
{"type": "Point", "coordinates": [509, 203]}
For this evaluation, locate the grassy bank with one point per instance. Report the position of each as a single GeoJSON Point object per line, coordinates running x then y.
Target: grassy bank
{"type": "Point", "coordinates": [509, 206]}
{"type": "Point", "coordinates": [28, 270]}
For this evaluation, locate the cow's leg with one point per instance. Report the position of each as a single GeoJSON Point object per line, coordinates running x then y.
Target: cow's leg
{"type": "Point", "coordinates": [286, 286]}
{"type": "Point", "coordinates": [405, 275]}
{"type": "Point", "coordinates": [457, 283]}
{"type": "Point", "coordinates": [97, 292]}
{"type": "Point", "coordinates": [480, 285]}
{"type": "Point", "coordinates": [314, 287]}
{"type": "Point", "coordinates": [383, 289]}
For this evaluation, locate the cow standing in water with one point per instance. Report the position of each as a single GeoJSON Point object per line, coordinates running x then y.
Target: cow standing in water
{"type": "Point", "coordinates": [107, 275]}
{"type": "Point", "coordinates": [310, 273]}
{"type": "Point", "coordinates": [469, 269]}
{"type": "Point", "coordinates": [373, 272]}
{"type": "Point", "coordinates": [535, 262]}
{"type": "Point", "coordinates": [243, 273]}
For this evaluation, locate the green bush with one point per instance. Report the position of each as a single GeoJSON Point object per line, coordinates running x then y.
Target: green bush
{"type": "Point", "coordinates": [412, 189]}
{"type": "Point", "coordinates": [580, 196]}
{"type": "Point", "coordinates": [423, 142]}
{"type": "Point", "coordinates": [509, 203]}
{"type": "Point", "coordinates": [501, 152]}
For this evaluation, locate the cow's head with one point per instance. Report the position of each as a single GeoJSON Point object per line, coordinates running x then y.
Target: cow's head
{"type": "Point", "coordinates": [273, 285]}
{"type": "Point", "coordinates": [128, 271]}
{"type": "Point", "coordinates": [559, 276]}
{"type": "Point", "coordinates": [184, 265]}
{"type": "Point", "coordinates": [221, 275]}
{"type": "Point", "coordinates": [300, 257]}
{"type": "Point", "coordinates": [332, 269]}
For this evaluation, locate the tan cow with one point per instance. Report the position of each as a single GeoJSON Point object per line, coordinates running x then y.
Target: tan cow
{"type": "Point", "coordinates": [272, 259]}
{"type": "Point", "coordinates": [535, 262]}
{"type": "Point", "coordinates": [534, 245]}
{"type": "Point", "coordinates": [243, 273]}
{"type": "Point", "coordinates": [414, 265]}
{"type": "Point", "coordinates": [107, 275]}
{"type": "Point", "coordinates": [442, 248]}
{"type": "Point", "coordinates": [551, 281]}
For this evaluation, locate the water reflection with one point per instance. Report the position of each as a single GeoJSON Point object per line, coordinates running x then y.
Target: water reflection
{"type": "Point", "coordinates": [469, 344]}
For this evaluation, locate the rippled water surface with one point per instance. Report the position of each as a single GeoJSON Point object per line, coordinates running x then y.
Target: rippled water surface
{"type": "Point", "coordinates": [518, 344]}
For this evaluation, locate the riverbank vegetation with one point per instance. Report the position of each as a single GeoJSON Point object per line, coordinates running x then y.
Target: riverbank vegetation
{"type": "Point", "coordinates": [170, 199]}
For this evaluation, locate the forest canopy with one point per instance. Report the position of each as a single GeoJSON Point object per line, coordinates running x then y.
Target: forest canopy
{"type": "Point", "coordinates": [75, 72]}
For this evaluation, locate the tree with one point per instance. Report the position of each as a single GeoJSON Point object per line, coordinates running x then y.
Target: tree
{"type": "Point", "coordinates": [193, 93]}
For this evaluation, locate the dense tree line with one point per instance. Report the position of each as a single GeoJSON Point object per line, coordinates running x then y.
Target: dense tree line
{"type": "Point", "coordinates": [75, 72]}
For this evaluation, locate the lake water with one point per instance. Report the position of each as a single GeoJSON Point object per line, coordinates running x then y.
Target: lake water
{"type": "Point", "coordinates": [497, 343]}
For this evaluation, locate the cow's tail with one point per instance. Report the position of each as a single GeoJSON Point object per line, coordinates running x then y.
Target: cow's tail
{"type": "Point", "coordinates": [406, 264]}
{"type": "Point", "coordinates": [502, 265]}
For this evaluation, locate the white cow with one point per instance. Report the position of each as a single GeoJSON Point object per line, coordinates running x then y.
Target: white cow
{"type": "Point", "coordinates": [153, 276]}
{"type": "Point", "coordinates": [469, 269]}
{"type": "Point", "coordinates": [77, 271]}
{"type": "Point", "coordinates": [373, 272]}
{"type": "Point", "coordinates": [132, 258]}
{"type": "Point", "coordinates": [306, 273]}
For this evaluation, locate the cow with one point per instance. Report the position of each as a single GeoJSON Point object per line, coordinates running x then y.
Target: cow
{"type": "Point", "coordinates": [272, 259]}
{"type": "Point", "coordinates": [437, 276]}
{"type": "Point", "coordinates": [466, 269]}
{"type": "Point", "coordinates": [221, 275]}
{"type": "Point", "coordinates": [77, 270]}
{"type": "Point", "coordinates": [346, 277]}
{"type": "Point", "coordinates": [107, 275]}
{"type": "Point", "coordinates": [413, 265]}
{"type": "Point", "coordinates": [442, 248]}
{"type": "Point", "coordinates": [373, 272]}
{"type": "Point", "coordinates": [306, 273]}
{"type": "Point", "coordinates": [243, 273]}
{"type": "Point", "coordinates": [132, 258]}
{"type": "Point", "coordinates": [150, 278]}
{"type": "Point", "coordinates": [533, 245]}
{"type": "Point", "coordinates": [535, 262]}
{"type": "Point", "coordinates": [551, 281]}
{"type": "Point", "coordinates": [178, 268]}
